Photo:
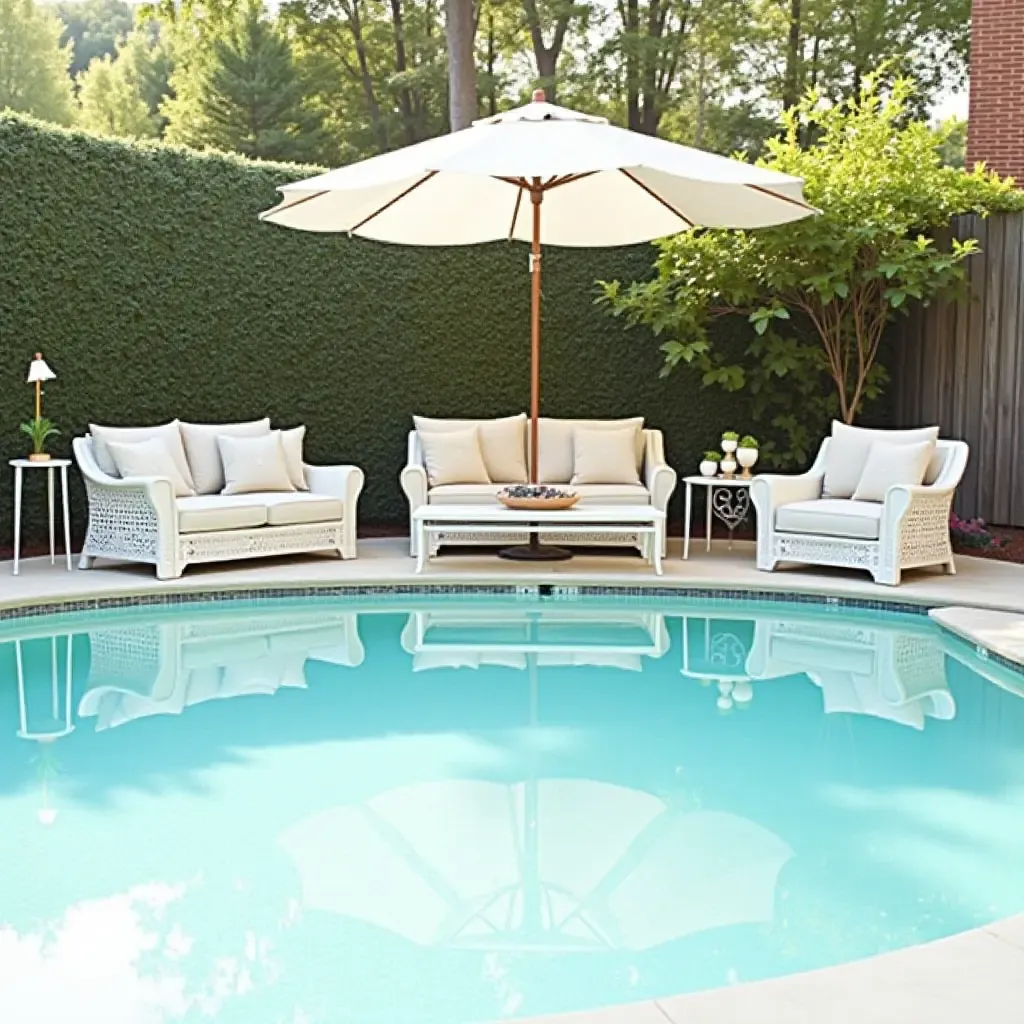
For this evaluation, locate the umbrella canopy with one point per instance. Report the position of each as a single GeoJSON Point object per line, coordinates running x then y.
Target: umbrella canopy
{"type": "Point", "coordinates": [599, 185]}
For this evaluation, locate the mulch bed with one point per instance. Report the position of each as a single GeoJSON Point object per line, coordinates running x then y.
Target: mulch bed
{"type": "Point", "coordinates": [1012, 550]}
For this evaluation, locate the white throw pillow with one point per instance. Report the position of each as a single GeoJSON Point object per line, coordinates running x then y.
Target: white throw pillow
{"type": "Point", "coordinates": [292, 441]}
{"type": "Point", "coordinates": [892, 464]}
{"type": "Point", "coordinates": [254, 464]}
{"type": "Point", "coordinates": [204, 455]}
{"type": "Point", "coordinates": [556, 448]}
{"type": "Point", "coordinates": [848, 453]}
{"type": "Point", "coordinates": [454, 457]}
{"type": "Point", "coordinates": [502, 443]}
{"type": "Point", "coordinates": [167, 433]}
{"type": "Point", "coordinates": [149, 458]}
{"type": "Point", "coordinates": [605, 456]}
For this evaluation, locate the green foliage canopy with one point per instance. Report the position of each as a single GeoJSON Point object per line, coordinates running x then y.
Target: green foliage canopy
{"type": "Point", "coordinates": [819, 293]}
{"type": "Point", "coordinates": [33, 62]}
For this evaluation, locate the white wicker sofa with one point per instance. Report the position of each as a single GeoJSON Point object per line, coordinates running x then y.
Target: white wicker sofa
{"type": "Point", "coordinates": [657, 480]}
{"type": "Point", "coordinates": [802, 518]}
{"type": "Point", "coordinates": [139, 518]}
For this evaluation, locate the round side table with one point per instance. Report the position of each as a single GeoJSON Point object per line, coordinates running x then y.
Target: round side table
{"type": "Point", "coordinates": [50, 465]}
{"type": "Point", "coordinates": [728, 499]}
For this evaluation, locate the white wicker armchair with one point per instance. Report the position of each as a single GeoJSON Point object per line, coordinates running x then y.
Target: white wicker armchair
{"type": "Point", "coordinates": [909, 529]}
{"type": "Point", "coordinates": [138, 519]}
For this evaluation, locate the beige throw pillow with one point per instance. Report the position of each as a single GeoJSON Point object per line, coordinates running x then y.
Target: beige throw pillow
{"type": "Point", "coordinates": [149, 458]}
{"type": "Point", "coordinates": [204, 454]}
{"type": "Point", "coordinates": [605, 456]}
{"type": "Point", "coordinates": [292, 441]}
{"type": "Point", "coordinates": [502, 443]}
{"type": "Point", "coordinates": [254, 464]}
{"type": "Point", "coordinates": [454, 457]}
{"type": "Point", "coordinates": [557, 453]}
{"type": "Point", "coordinates": [892, 464]}
{"type": "Point", "coordinates": [848, 453]}
{"type": "Point", "coordinates": [167, 433]}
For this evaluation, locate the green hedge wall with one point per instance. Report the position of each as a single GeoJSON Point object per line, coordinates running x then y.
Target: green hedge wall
{"type": "Point", "coordinates": [144, 276]}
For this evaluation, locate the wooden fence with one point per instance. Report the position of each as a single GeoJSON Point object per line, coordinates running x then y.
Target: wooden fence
{"type": "Point", "coordinates": [961, 364]}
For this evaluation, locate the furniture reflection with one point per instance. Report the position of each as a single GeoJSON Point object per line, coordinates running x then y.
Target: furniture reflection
{"type": "Point", "coordinates": [165, 666]}
{"type": "Point", "coordinates": [715, 650]}
{"type": "Point", "coordinates": [549, 637]}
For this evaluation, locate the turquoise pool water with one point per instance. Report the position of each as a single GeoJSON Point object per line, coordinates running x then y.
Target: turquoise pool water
{"type": "Point", "coordinates": [474, 810]}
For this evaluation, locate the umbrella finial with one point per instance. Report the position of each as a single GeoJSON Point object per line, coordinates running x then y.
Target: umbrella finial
{"type": "Point", "coordinates": [538, 96]}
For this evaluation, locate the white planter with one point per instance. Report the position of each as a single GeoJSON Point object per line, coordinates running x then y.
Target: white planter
{"type": "Point", "coordinates": [708, 468]}
{"type": "Point", "coordinates": [729, 446]}
{"type": "Point", "coordinates": [746, 457]}
{"type": "Point", "coordinates": [728, 465]}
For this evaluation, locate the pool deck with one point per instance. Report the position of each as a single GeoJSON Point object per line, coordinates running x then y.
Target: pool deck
{"type": "Point", "coordinates": [976, 977]}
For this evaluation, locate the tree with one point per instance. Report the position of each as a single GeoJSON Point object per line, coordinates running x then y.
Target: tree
{"type": "Point", "coordinates": [555, 18]}
{"type": "Point", "coordinates": [93, 28]}
{"type": "Point", "coordinates": [819, 293]}
{"type": "Point", "coordinates": [460, 28]}
{"type": "Point", "coordinates": [247, 97]}
{"type": "Point", "coordinates": [111, 102]}
{"type": "Point", "coordinates": [33, 63]}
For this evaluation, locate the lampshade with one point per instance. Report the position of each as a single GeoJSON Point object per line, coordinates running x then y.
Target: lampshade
{"type": "Point", "coordinates": [39, 370]}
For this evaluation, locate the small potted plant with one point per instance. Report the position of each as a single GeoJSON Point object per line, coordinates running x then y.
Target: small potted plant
{"type": "Point", "coordinates": [730, 439]}
{"type": "Point", "coordinates": [746, 454]}
{"type": "Point", "coordinates": [709, 465]}
{"type": "Point", "coordinates": [40, 430]}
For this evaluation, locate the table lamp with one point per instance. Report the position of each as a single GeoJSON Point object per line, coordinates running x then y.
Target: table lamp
{"type": "Point", "coordinates": [39, 429]}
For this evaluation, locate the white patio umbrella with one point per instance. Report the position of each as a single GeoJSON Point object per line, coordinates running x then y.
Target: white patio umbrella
{"type": "Point", "coordinates": [598, 185]}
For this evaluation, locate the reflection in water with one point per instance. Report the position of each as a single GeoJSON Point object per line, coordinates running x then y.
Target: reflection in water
{"type": "Point", "coordinates": [574, 823]}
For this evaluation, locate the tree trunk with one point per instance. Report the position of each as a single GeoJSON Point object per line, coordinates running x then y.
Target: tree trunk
{"type": "Point", "coordinates": [546, 56]}
{"type": "Point", "coordinates": [492, 62]}
{"type": "Point", "coordinates": [401, 66]}
{"type": "Point", "coordinates": [631, 19]}
{"type": "Point", "coordinates": [459, 23]}
{"type": "Point", "coordinates": [791, 83]}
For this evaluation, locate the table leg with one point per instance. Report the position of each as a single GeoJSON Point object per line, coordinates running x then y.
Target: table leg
{"type": "Point", "coordinates": [17, 517]}
{"type": "Point", "coordinates": [707, 524]}
{"type": "Point", "coordinates": [421, 555]}
{"type": "Point", "coordinates": [49, 505]}
{"type": "Point", "coordinates": [67, 514]}
{"type": "Point", "coordinates": [686, 520]}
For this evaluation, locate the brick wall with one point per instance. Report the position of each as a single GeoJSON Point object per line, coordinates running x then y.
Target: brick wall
{"type": "Point", "coordinates": [995, 131]}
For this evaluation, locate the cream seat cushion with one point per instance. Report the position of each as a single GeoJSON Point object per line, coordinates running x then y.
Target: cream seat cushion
{"type": "Point", "coordinates": [557, 454]}
{"type": "Point", "coordinates": [200, 440]}
{"type": "Point", "coordinates": [590, 494]}
{"type": "Point", "coordinates": [295, 507]}
{"type": "Point", "coordinates": [890, 465]}
{"type": "Point", "coordinates": [150, 458]}
{"type": "Point", "coordinates": [168, 433]}
{"type": "Point", "coordinates": [253, 464]}
{"type": "Point", "coordinates": [831, 517]}
{"type": "Point", "coordinates": [848, 452]}
{"type": "Point", "coordinates": [454, 457]}
{"type": "Point", "coordinates": [207, 513]}
{"type": "Point", "coordinates": [502, 443]}
{"type": "Point", "coordinates": [605, 456]}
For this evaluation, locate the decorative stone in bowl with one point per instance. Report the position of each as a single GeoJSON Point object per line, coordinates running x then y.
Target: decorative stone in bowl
{"type": "Point", "coordinates": [537, 497]}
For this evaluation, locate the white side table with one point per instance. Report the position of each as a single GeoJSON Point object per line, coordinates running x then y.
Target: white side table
{"type": "Point", "coordinates": [20, 465]}
{"type": "Point", "coordinates": [729, 500]}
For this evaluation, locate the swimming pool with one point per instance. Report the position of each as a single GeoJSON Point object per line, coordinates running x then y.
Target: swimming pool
{"type": "Point", "coordinates": [457, 810]}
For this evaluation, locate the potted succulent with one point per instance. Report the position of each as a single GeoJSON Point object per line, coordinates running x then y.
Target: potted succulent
{"type": "Point", "coordinates": [730, 439]}
{"type": "Point", "coordinates": [746, 454]}
{"type": "Point", "coordinates": [40, 430]}
{"type": "Point", "coordinates": [709, 464]}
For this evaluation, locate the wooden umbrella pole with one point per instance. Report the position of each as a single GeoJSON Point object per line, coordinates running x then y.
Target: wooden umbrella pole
{"type": "Point", "coordinates": [536, 197]}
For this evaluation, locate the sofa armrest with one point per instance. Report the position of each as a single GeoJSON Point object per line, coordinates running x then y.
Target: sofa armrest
{"type": "Point", "coordinates": [659, 477]}
{"type": "Point", "coordinates": [413, 477]}
{"type": "Point", "coordinates": [903, 501]}
{"type": "Point", "coordinates": [768, 491]}
{"type": "Point", "coordinates": [345, 482]}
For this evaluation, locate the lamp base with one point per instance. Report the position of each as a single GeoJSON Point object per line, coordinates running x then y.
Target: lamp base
{"type": "Point", "coordinates": [39, 457]}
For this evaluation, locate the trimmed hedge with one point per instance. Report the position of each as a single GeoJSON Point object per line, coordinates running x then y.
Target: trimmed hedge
{"type": "Point", "coordinates": [143, 275]}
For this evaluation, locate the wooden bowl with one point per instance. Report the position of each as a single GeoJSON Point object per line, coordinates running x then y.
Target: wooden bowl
{"type": "Point", "coordinates": [539, 504]}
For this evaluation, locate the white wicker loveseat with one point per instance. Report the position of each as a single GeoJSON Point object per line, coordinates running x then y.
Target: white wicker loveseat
{"type": "Point", "coordinates": [802, 518]}
{"type": "Point", "coordinates": [139, 518]}
{"type": "Point", "coordinates": [655, 485]}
